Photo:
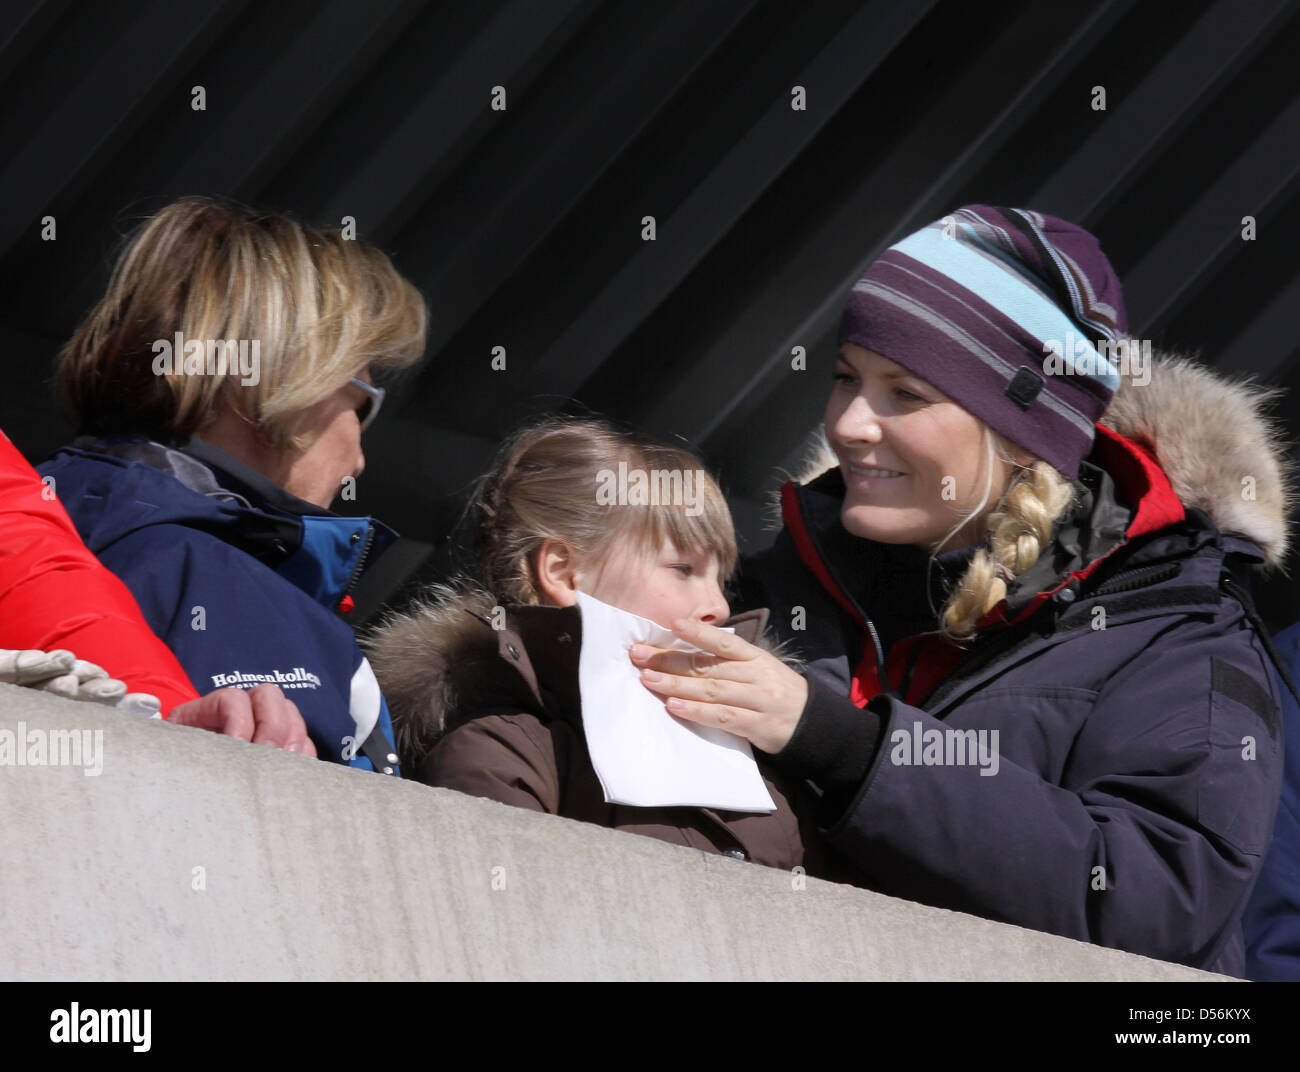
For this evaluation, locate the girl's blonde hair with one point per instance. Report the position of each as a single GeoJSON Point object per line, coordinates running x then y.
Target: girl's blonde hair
{"type": "Point", "coordinates": [553, 479]}
{"type": "Point", "coordinates": [321, 307]}
{"type": "Point", "coordinates": [1018, 530]}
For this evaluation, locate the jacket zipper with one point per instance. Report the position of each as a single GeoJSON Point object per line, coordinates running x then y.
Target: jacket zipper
{"type": "Point", "coordinates": [361, 562]}
{"type": "Point", "coordinates": [1130, 580]}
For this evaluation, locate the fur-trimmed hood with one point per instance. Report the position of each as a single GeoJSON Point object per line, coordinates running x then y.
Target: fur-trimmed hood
{"type": "Point", "coordinates": [1211, 434]}
{"type": "Point", "coordinates": [1221, 450]}
{"type": "Point", "coordinates": [435, 657]}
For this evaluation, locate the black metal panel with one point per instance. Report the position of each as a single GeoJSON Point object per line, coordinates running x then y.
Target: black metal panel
{"type": "Point", "coordinates": [523, 226]}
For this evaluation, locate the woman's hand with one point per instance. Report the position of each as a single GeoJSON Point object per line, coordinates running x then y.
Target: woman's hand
{"type": "Point", "coordinates": [263, 715]}
{"type": "Point", "coordinates": [729, 683]}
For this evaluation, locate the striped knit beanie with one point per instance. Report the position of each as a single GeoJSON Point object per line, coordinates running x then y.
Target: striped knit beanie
{"type": "Point", "coordinates": [1012, 314]}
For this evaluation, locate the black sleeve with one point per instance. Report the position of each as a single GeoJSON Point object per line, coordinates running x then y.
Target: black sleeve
{"type": "Point", "coordinates": [833, 745]}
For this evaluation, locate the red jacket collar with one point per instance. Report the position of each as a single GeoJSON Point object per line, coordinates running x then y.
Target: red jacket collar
{"type": "Point", "coordinates": [1139, 480]}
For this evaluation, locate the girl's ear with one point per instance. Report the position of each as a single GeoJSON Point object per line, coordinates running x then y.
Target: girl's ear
{"type": "Point", "coordinates": [557, 575]}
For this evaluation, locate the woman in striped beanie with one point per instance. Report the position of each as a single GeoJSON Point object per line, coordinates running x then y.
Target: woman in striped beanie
{"type": "Point", "coordinates": [1034, 687]}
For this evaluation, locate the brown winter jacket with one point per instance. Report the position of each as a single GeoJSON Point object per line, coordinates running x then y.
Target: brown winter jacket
{"type": "Point", "coordinates": [497, 714]}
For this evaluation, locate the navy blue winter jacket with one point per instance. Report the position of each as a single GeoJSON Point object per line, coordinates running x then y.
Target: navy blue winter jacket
{"type": "Point", "coordinates": [1129, 792]}
{"type": "Point", "coordinates": [240, 579]}
{"type": "Point", "coordinates": [1272, 920]}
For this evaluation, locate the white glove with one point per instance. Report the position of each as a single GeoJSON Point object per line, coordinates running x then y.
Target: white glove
{"type": "Point", "coordinates": [28, 667]}
{"type": "Point", "coordinates": [63, 674]}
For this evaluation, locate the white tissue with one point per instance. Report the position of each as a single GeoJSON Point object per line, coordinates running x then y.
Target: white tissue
{"type": "Point", "coordinates": [643, 755]}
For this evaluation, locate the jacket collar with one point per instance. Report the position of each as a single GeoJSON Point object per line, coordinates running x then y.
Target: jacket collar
{"type": "Point", "coordinates": [141, 467]}
{"type": "Point", "coordinates": [193, 473]}
{"type": "Point", "coordinates": [332, 552]}
{"type": "Point", "coordinates": [234, 476]}
{"type": "Point", "coordinates": [206, 469]}
{"type": "Point", "coordinates": [321, 552]}
{"type": "Point", "coordinates": [1122, 495]}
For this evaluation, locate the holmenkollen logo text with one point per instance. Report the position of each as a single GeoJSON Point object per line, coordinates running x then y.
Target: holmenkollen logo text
{"type": "Point", "coordinates": [297, 678]}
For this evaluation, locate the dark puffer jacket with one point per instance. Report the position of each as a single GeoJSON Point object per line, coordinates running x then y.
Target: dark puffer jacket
{"type": "Point", "coordinates": [1130, 789]}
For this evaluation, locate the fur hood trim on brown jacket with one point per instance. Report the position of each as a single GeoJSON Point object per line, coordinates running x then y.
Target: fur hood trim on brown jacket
{"type": "Point", "coordinates": [433, 659]}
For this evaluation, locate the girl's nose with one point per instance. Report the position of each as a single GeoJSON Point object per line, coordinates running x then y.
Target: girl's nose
{"type": "Point", "coordinates": [717, 610]}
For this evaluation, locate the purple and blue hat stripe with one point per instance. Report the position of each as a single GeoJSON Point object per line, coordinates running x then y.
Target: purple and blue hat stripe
{"type": "Point", "coordinates": [972, 302]}
{"type": "Point", "coordinates": [1086, 305]}
{"type": "Point", "coordinates": [966, 264]}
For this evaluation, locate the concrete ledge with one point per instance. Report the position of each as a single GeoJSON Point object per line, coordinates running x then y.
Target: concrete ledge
{"type": "Point", "coordinates": [192, 856]}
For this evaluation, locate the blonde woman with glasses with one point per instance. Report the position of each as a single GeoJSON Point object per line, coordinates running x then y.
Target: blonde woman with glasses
{"type": "Point", "coordinates": [220, 388]}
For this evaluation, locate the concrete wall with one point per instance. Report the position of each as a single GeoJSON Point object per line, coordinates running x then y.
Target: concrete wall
{"type": "Point", "coordinates": [192, 856]}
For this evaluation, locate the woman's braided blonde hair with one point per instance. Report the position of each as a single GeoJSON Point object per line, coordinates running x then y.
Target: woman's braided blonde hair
{"type": "Point", "coordinates": [1018, 530]}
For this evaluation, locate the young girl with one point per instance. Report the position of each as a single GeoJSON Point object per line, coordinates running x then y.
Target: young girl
{"type": "Point", "coordinates": [484, 682]}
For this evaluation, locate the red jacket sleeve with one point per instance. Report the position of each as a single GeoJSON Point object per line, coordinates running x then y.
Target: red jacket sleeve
{"type": "Point", "coordinates": [55, 594]}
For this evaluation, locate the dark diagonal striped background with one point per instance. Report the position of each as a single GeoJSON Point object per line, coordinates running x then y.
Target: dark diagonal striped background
{"type": "Point", "coordinates": [523, 226]}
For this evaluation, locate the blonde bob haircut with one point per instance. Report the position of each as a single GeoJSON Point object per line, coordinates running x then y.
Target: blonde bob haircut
{"type": "Point", "coordinates": [321, 308]}
{"type": "Point", "coordinates": [544, 484]}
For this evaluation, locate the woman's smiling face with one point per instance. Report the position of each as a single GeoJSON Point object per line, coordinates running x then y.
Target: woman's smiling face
{"type": "Point", "coordinates": [914, 462]}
